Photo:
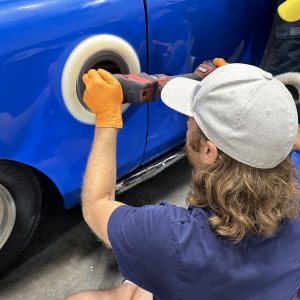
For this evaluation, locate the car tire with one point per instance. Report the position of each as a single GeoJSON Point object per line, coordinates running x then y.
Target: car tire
{"type": "Point", "coordinates": [20, 209]}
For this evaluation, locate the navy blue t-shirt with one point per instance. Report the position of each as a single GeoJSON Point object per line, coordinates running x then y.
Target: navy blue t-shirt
{"type": "Point", "coordinates": [173, 253]}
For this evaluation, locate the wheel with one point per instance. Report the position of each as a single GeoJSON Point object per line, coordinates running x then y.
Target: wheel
{"type": "Point", "coordinates": [20, 208]}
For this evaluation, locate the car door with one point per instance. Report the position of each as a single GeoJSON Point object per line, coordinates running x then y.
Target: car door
{"type": "Point", "coordinates": [48, 46]}
{"type": "Point", "coordinates": [184, 33]}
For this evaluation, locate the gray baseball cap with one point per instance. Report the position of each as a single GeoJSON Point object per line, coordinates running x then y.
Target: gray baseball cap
{"type": "Point", "coordinates": [245, 111]}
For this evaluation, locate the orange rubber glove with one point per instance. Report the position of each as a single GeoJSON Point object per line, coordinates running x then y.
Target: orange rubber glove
{"type": "Point", "coordinates": [219, 62]}
{"type": "Point", "coordinates": [104, 97]}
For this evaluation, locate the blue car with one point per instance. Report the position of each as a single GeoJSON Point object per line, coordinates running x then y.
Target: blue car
{"type": "Point", "coordinates": [46, 46]}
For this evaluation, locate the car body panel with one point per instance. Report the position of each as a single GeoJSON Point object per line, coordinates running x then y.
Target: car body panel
{"type": "Point", "coordinates": [35, 126]}
{"type": "Point", "coordinates": [171, 37]}
{"type": "Point", "coordinates": [182, 34]}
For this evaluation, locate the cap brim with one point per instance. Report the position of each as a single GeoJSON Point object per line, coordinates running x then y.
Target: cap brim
{"type": "Point", "coordinates": [178, 94]}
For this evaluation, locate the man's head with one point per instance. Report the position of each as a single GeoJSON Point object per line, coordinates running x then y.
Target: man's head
{"type": "Point", "coordinates": [241, 128]}
{"type": "Point", "coordinates": [198, 148]}
{"type": "Point", "coordinates": [247, 113]}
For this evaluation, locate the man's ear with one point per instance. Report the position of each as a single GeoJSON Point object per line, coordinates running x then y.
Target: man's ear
{"type": "Point", "coordinates": [209, 152]}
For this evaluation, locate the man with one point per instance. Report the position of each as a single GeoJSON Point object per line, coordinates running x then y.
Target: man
{"type": "Point", "coordinates": [240, 236]}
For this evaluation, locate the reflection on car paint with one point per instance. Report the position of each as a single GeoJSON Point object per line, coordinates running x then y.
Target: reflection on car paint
{"type": "Point", "coordinates": [37, 128]}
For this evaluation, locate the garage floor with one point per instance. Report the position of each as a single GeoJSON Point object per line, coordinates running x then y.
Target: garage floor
{"type": "Point", "coordinates": [65, 257]}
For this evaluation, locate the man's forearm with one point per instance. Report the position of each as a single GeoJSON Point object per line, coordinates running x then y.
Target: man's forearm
{"type": "Point", "coordinates": [100, 177]}
{"type": "Point", "coordinates": [104, 97]}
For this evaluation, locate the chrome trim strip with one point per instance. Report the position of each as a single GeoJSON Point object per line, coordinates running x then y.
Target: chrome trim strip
{"type": "Point", "coordinates": [150, 171]}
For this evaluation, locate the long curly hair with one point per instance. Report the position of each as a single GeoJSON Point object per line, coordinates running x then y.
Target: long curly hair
{"type": "Point", "coordinates": [245, 200]}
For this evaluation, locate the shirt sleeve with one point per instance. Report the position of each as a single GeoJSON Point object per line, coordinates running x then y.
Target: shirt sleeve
{"type": "Point", "coordinates": [143, 243]}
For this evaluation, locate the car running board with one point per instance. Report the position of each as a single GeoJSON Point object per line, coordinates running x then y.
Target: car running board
{"type": "Point", "coordinates": [150, 170]}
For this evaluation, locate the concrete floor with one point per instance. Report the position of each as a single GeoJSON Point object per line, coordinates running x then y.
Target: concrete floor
{"type": "Point", "coordinates": [65, 257]}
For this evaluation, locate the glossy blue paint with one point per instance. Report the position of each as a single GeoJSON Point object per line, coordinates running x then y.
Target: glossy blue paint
{"type": "Point", "coordinates": [184, 33]}
{"type": "Point", "coordinates": [35, 126]}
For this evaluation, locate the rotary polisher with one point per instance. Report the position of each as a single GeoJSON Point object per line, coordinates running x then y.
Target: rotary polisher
{"type": "Point", "coordinates": [141, 88]}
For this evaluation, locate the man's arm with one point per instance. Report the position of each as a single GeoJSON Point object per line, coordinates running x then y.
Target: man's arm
{"type": "Point", "coordinates": [103, 96]}
{"type": "Point", "coordinates": [98, 193]}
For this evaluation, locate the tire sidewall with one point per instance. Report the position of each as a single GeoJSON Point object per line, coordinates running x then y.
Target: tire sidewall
{"type": "Point", "coordinates": [22, 184]}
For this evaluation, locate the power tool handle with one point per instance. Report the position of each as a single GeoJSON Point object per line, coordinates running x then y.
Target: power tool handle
{"type": "Point", "coordinates": [141, 88]}
{"type": "Point", "coordinates": [137, 88]}
{"type": "Point", "coordinates": [193, 76]}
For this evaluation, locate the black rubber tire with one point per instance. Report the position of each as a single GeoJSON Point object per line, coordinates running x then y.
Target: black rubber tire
{"type": "Point", "coordinates": [24, 187]}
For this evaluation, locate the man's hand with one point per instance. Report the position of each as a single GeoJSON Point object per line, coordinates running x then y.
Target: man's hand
{"type": "Point", "coordinates": [104, 97]}
{"type": "Point", "coordinates": [219, 62]}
